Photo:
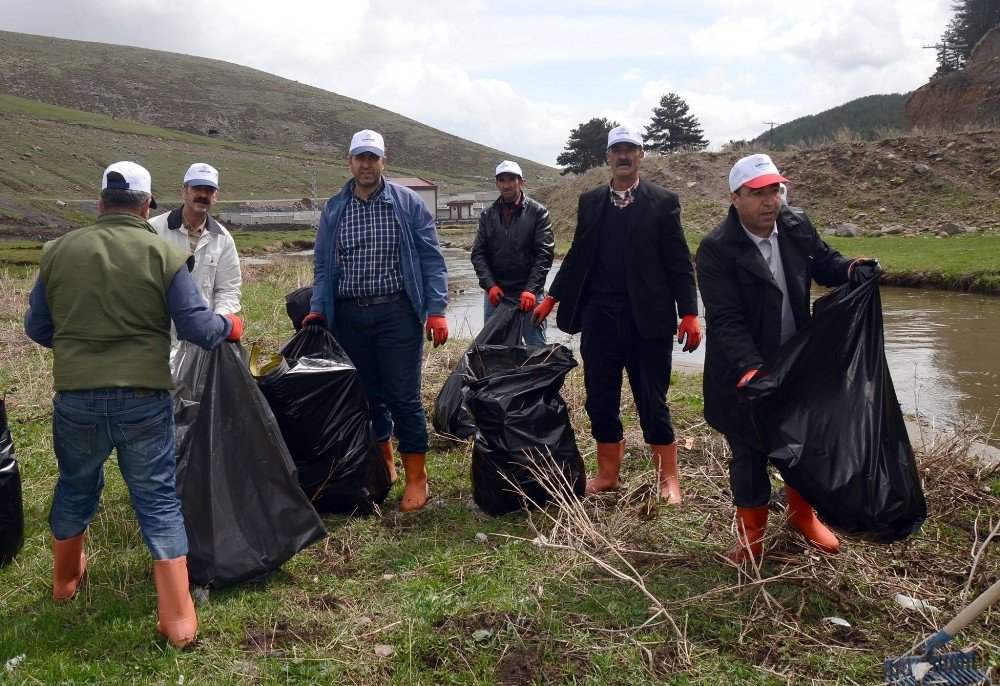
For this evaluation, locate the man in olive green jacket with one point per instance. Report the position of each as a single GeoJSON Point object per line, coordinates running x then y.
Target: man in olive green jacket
{"type": "Point", "coordinates": [103, 301]}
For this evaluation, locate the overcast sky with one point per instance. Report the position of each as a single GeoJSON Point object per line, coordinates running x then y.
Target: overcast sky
{"type": "Point", "coordinates": [519, 76]}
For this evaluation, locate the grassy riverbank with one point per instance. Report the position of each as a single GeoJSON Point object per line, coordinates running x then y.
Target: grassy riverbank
{"type": "Point", "coordinates": [416, 599]}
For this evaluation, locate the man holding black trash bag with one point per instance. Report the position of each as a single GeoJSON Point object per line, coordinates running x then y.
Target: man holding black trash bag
{"type": "Point", "coordinates": [623, 284]}
{"type": "Point", "coordinates": [103, 301]}
{"type": "Point", "coordinates": [378, 274]}
{"type": "Point", "coordinates": [755, 270]}
{"type": "Point", "coordinates": [512, 251]}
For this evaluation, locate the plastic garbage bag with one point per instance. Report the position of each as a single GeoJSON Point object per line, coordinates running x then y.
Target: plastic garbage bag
{"type": "Point", "coordinates": [503, 328]}
{"type": "Point", "coordinates": [512, 393]}
{"type": "Point", "coordinates": [243, 509]}
{"type": "Point", "coordinates": [827, 415]}
{"type": "Point", "coordinates": [316, 395]}
{"type": "Point", "coordinates": [11, 507]}
{"type": "Point", "coordinates": [297, 305]}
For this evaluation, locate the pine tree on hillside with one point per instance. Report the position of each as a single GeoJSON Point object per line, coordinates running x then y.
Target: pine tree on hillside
{"type": "Point", "coordinates": [973, 18]}
{"type": "Point", "coordinates": [586, 147]}
{"type": "Point", "coordinates": [672, 128]}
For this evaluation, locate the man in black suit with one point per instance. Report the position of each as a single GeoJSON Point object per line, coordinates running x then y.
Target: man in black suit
{"type": "Point", "coordinates": [623, 284]}
{"type": "Point", "coordinates": [754, 272]}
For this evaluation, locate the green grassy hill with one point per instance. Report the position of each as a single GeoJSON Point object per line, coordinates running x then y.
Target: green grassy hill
{"type": "Point", "coordinates": [869, 118]}
{"type": "Point", "coordinates": [51, 160]}
{"type": "Point", "coordinates": [229, 102]}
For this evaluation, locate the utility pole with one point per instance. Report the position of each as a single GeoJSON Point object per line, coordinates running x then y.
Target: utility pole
{"type": "Point", "coordinates": [315, 197]}
{"type": "Point", "coordinates": [949, 52]}
{"type": "Point", "coordinates": [770, 135]}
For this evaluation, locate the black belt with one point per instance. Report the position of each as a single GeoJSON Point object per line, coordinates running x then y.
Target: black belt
{"type": "Point", "coordinates": [376, 300]}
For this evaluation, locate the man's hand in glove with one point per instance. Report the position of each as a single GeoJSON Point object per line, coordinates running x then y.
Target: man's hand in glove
{"type": "Point", "coordinates": [437, 329]}
{"type": "Point", "coordinates": [495, 294]}
{"type": "Point", "coordinates": [863, 269]}
{"type": "Point", "coordinates": [689, 327]}
{"type": "Point", "coordinates": [543, 310]}
{"type": "Point", "coordinates": [314, 319]}
{"type": "Point", "coordinates": [527, 301]}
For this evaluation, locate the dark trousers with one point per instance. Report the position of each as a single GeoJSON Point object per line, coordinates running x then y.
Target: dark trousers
{"type": "Point", "coordinates": [386, 344]}
{"type": "Point", "coordinates": [748, 476]}
{"type": "Point", "coordinates": [609, 344]}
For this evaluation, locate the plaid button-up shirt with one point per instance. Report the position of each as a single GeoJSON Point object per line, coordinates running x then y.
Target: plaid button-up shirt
{"type": "Point", "coordinates": [623, 201]}
{"type": "Point", "coordinates": [368, 243]}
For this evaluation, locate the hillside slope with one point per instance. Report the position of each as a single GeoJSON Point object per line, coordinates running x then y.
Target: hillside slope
{"type": "Point", "coordinates": [911, 182]}
{"type": "Point", "coordinates": [51, 160]}
{"type": "Point", "coordinates": [867, 117]}
{"type": "Point", "coordinates": [230, 102]}
{"type": "Point", "coordinates": [967, 97]}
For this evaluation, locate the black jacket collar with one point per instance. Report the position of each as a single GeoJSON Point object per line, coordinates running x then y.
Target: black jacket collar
{"type": "Point", "coordinates": [175, 220]}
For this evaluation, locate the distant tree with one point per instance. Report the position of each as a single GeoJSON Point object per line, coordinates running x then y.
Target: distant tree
{"type": "Point", "coordinates": [973, 18]}
{"type": "Point", "coordinates": [741, 145]}
{"type": "Point", "coordinates": [586, 146]}
{"type": "Point", "coordinates": [672, 128]}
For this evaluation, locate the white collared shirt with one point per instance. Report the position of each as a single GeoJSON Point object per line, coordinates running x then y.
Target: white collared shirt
{"type": "Point", "coordinates": [768, 248]}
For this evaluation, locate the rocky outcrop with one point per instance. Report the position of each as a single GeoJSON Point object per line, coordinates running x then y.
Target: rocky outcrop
{"type": "Point", "coordinates": [969, 97]}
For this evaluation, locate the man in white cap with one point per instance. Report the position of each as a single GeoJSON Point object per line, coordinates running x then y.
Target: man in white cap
{"type": "Point", "coordinates": [378, 275]}
{"type": "Point", "coordinates": [624, 283]}
{"type": "Point", "coordinates": [754, 272]}
{"type": "Point", "coordinates": [190, 227]}
{"type": "Point", "coordinates": [512, 252]}
{"type": "Point", "coordinates": [103, 301]}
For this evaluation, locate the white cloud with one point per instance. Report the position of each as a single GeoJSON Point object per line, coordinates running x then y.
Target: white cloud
{"type": "Point", "coordinates": [468, 67]}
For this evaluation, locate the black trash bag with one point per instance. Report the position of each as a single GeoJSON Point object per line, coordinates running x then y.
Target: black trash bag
{"type": "Point", "coordinates": [297, 305]}
{"type": "Point", "coordinates": [243, 509]}
{"type": "Point", "coordinates": [827, 415]}
{"type": "Point", "coordinates": [503, 328]}
{"type": "Point", "coordinates": [11, 507]}
{"type": "Point", "coordinates": [316, 396]}
{"type": "Point", "coordinates": [512, 393]}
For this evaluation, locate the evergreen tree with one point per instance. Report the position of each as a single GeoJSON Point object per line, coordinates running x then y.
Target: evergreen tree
{"type": "Point", "coordinates": [673, 128]}
{"type": "Point", "coordinates": [586, 147]}
{"type": "Point", "coordinates": [973, 18]}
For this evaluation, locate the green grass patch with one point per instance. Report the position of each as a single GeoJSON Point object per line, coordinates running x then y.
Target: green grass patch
{"type": "Point", "coordinates": [417, 599]}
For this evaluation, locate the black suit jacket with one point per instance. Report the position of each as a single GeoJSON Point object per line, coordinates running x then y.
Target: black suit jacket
{"type": "Point", "coordinates": [743, 305]}
{"type": "Point", "coordinates": [659, 276]}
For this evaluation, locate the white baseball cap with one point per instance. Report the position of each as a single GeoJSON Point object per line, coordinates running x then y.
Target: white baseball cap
{"type": "Point", "coordinates": [133, 178]}
{"type": "Point", "coordinates": [201, 174]}
{"type": "Point", "coordinates": [624, 134]}
{"type": "Point", "coordinates": [508, 167]}
{"type": "Point", "coordinates": [754, 171]}
{"type": "Point", "coordinates": [368, 141]}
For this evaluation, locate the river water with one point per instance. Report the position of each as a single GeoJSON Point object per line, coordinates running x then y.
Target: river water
{"type": "Point", "coordinates": [942, 346]}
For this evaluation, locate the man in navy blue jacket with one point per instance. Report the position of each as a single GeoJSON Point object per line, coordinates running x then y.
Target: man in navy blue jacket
{"type": "Point", "coordinates": [378, 275]}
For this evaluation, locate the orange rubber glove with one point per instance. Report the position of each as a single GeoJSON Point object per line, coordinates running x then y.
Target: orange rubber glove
{"type": "Point", "coordinates": [495, 294]}
{"type": "Point", "coordinates": [527, 301]}
{"type": "Point", "coordinates": [237, 331]}
{"type": "Point", "coordinates": [692, 329]}
{"type": "Point", "coordinates": [746, 378]}
{"type": "Point", "coordinates": [543, 310]}
{"type": "Point", "coordinates": [314, 319]}
{"type": "Point", "coordinates": [437, 329]}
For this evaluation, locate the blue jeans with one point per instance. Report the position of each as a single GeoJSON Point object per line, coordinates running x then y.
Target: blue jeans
{"type": "Point", "coordinates": [386, 344]}
{"type": "Point", "coordinates": [532, 335]}
{"type": "Point", "coordinates": [139, 424]}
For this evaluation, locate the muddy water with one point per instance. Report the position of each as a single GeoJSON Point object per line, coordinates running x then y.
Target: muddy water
{"type": "Point", "coordinates": [943, 347]}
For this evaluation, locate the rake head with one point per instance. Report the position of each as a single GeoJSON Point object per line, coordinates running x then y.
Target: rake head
{"type": "Point", "coordinates": [958, 669]}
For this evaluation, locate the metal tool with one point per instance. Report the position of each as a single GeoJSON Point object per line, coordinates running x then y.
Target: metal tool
{"type": "Point", "coordinates": [922, 666]}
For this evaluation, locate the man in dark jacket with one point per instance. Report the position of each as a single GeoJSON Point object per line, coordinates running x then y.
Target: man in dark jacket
{"type": "Point", "coordinates": [625, 281]}
{"type": "Point", "coordinates": [754, 272]}
{"type": "Point", "coordinates": [512, 252]}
